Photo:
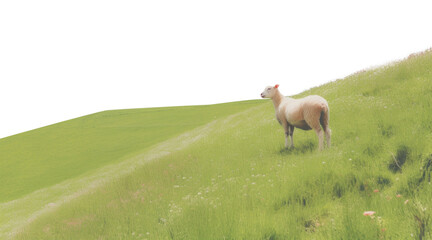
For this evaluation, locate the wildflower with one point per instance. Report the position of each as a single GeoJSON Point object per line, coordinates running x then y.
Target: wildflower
{"type": "Point", "coordinates": [406, 201]}
{"type": "Point", "coordinates": [368, 213]}
{"type": "Point", "coordinates": [376, 190]}
{"type": "Point", "coordinates": [398, 196]}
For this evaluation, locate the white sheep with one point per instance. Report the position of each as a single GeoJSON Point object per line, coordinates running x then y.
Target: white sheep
{"type": "Point", "coordinates": [306, 113]}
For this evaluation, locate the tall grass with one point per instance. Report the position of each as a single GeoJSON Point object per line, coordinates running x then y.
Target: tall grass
{"type": "Point", "coordinates": [240, 183]}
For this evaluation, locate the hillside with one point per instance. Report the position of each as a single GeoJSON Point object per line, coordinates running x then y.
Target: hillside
{"type": "Point", "coordinates": [232, 179]}
{"type": "Point", "coordinates": [52, 164]}
{"type": "Point", "coordinates": [49, 155]}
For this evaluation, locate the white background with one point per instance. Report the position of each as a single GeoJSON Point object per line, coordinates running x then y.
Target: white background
{"type": "Point", "coordinates": [64, 59]}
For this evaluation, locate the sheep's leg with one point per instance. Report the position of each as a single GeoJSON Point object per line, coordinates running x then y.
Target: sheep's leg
{"type": "Point", "coordinates": [313, 120]}
{"type": "Point", "coordinates": [327, 132]}
{"type": "Point", "coordinates": [287, 132]}
{"type": "Point", "coordinates": [328, 136]}
{"type": "Point", "coordinates": [324, 121]}
{"type": "Point", "coordinates": [291, 128]}
{"type": "Point", "coordinates": [320, 134]}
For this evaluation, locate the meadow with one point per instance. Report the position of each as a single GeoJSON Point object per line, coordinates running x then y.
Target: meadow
{"type": "Point", "coordinates": [50, 165]}
{"type": "Point", "coordinates": [68, 149]}
{"type": "Point", "coordinates": [229, 176]}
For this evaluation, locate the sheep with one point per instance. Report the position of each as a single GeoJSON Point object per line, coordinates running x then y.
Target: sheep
{"type": "Point", "coordinates": [306, 113]}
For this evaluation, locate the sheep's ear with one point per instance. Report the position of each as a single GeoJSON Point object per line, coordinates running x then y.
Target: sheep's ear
{"type": "Point", "coordinates": [276, 86]}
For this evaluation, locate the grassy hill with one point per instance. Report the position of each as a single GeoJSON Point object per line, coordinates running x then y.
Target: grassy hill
{"type": "Point", "coordinates": [231, 178]}
{"type": "Point", "coordinates": [49, 155]}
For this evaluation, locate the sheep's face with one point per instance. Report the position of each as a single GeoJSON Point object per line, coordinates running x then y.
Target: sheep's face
{"type": "Point", "coordinates": [269, 91]}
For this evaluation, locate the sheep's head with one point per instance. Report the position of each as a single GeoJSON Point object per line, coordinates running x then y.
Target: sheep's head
{"type": "Point", "coordinates": [269, 91]}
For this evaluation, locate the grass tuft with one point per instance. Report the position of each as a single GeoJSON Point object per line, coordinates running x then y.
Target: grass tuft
{"type": "Point", "coordinates": [399, 160]}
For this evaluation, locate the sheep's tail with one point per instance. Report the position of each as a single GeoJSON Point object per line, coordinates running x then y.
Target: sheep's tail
{"type": "Point", "coordinates": [325, 117]}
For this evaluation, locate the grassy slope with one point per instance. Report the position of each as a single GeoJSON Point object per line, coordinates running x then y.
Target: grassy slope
{"type": "Point", "coordinates": [239, 183]}
{"type": "Point", "coordinates": [49, 155]}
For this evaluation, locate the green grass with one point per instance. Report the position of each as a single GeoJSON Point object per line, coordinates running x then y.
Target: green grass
{"type": "Point", "coordinates": [238, 182]}
{"type": "Point", "coordinates": [49, 155]}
